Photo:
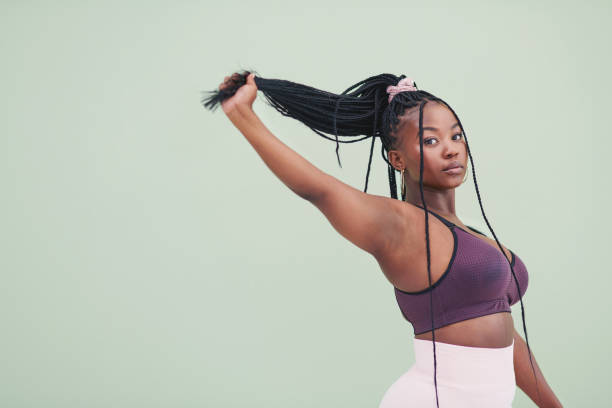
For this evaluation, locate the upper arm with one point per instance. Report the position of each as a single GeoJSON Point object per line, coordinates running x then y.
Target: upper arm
{"type": "Point", "coordinates": [371, 222]}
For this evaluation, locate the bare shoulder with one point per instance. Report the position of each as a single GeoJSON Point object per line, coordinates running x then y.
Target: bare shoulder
{"type": "Point", "coordinates": [404, 237]}
{"type": "Point", "coordinates": [407, 254]}
{"type": "Point", "coordinates": [407, 211]}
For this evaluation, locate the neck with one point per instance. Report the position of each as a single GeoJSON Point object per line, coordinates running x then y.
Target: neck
{"type": "Point", "coordinates": [441, 202]}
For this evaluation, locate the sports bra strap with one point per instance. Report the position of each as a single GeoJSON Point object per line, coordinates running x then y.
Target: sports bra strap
{"type": "Point", "coordinates": [450, 224]}
{"type": "Point", "coordinates": [444, 220]}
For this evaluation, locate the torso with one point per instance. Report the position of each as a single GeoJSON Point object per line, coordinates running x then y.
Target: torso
{"type": "Point", "coordinates": [405, 266]}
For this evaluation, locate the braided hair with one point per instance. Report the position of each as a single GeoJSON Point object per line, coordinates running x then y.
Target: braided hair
{"type": "Point", "coordinates": [363, 109]}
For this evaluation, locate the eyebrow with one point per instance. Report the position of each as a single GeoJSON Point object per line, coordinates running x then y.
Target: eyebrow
{"type": "Point", "coordinates": [436, 129]}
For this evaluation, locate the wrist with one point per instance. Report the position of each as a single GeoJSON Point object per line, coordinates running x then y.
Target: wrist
{"type": "Point", "coordinates": [239, 111]}
{"type": "Point", "coordinates": [242, 116]}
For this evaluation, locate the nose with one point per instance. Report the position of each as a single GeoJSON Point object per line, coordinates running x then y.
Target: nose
{"type": "Point", "coordinates": [451, 149]}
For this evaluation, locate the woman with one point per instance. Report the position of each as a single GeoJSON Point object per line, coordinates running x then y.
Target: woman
{"type": "Point", "coordinates": [467, 352]}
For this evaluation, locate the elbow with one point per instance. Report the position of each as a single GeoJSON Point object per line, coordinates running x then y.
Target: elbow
{"type": "Point", "coordinates": [315, 187]}
{"type": "Point", "coordinates": [313, 197]}
{"type": "Point", "coordinates": [311, 194]}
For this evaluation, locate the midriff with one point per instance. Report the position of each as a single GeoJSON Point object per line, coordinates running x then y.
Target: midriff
{"type": "Point", "coordinates": [493, 331]}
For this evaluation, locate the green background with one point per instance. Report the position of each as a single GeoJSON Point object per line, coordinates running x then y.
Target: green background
{"type": "Point", "coordinates": [151, 259]}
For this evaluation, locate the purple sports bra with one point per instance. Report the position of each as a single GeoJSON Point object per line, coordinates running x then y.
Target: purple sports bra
{"type": "Point", "coordinates": [477, 282]}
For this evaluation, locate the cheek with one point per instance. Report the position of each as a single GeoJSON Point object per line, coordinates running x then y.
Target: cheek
{"type": "Point", "coordinates": [415, 155]}
{"type": "Point", "coordinates": [415, 162]}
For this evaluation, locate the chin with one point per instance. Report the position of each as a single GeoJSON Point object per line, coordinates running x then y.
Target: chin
{"type": "Point", "coordinates": [454, 183]}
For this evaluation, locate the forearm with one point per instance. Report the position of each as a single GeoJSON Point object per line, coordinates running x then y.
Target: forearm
{"type": "Point", "coordinates": [297, 173]}
{"type": "Point", "coordinates": [525, 379]}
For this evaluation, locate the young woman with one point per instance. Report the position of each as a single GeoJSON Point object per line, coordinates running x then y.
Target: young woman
{"type": "Point", "coordinates": [467, 352]}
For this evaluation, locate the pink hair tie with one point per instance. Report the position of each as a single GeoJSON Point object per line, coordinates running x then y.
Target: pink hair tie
{"type": "Point", "coordinates": [406, 84]}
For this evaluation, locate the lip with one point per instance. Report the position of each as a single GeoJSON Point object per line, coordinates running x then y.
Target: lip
{"type": "Point", "coordinates": [454, 170]}
{"type": "Point", "coordinates": [453, 164]}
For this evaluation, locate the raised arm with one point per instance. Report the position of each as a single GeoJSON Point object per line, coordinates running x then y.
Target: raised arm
{"type": "Point", "coordinates": [369, 221]}
{"type": "Point", "coordinates": [525, 379]}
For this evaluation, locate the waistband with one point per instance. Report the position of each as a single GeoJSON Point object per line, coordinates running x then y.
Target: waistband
{"type": "Point", "coordinates": [466, 366]}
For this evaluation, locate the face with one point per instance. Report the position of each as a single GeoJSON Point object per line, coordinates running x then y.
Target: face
{"type": "Point", "coordinates": [443, 145]}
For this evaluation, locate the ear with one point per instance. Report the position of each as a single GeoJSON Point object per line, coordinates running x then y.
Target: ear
{"type": "Point", "coordinates": [396, 160]}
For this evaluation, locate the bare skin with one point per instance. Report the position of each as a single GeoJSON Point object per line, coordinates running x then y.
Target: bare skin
{"type": "Point", "coordinates": [392, 230]}
{"type": "Point", "coordinates": [405, 244]}
{"type": "Point", "coordinates": [440, 148]}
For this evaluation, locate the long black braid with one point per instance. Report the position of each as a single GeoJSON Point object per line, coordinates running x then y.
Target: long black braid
{"type": "Point", "coordinates": [355, 112]}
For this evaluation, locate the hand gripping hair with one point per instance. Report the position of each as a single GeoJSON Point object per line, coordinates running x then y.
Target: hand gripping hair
{"type": "Point", "coordinates": [372, 108]}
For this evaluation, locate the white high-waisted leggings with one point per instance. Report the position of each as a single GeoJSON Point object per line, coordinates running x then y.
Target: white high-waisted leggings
{"type": "Point", "coordinates": [467, 377]}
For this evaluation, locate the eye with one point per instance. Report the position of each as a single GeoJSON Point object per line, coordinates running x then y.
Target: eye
{"type": "Point", "coordinates": [425, 141]}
